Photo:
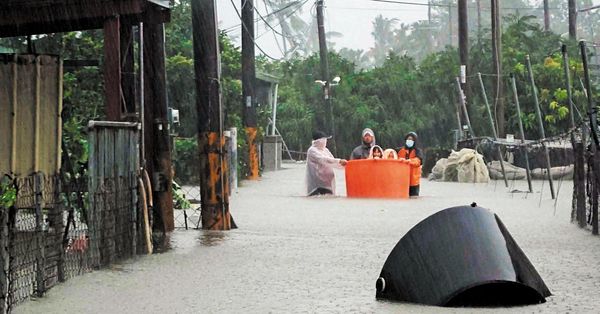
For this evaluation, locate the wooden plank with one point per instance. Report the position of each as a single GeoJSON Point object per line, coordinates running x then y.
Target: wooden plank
{"type": "Point", "coordinates": [6, 120]}
{"type": "Point", "coordinates": [49, 123]}
{"type": "Point", "coordinates": [25, 137]}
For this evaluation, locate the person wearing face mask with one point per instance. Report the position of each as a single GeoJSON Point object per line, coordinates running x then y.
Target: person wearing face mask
{"type": "Point", "coordinates": [363, 150]}
{"type": "Point", "coordinates": [413, 154]}
{"type": "Point", "coordinates": [320, 178]}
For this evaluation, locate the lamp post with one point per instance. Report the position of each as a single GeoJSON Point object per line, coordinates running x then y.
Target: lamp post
{"type": "Point", "coordinates": [327, 87]}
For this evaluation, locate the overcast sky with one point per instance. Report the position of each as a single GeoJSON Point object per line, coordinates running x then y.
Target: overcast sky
{"type": "Point", "coordinates": [352, 18]}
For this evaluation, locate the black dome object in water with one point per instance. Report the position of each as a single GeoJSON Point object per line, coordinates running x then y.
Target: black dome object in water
{"type": "Point", "coordinates": [461, 256]}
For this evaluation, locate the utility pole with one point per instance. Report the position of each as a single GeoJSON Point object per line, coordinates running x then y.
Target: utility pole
{"type": "Point", "coordinates": [156, 125]}
{"type": "Point", "coordinates": [213, 162]}
{"type": "Point", "coordinates": [463, 39]}
{"type": "Point", "coordinates": [325, 73]}
{"type": "Point", "coordinates": [478, 19]}
{"type": "Point", "coordinates": [572, 19]}
{"type": "Point", "coordinates": [450, 35]}
{"type": "Point", "coordinates": [546, 16]}
{"type": "Point", "coordinates": [497, 60]}
{"type": "Point", "coordinates": [248, 85]}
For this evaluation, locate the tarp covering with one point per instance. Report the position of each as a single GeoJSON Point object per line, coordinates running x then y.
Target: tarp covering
{"type": "Point", "coordinates": [466, 166]}
{"type": "Point", "coordinates": [458, 257]}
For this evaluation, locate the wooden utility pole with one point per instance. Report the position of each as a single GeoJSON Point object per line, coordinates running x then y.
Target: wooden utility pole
{"type": "Point", "coordinates": [546, 16]}
{"type": "Point", "coordinates": [156, 126]}
{"type": "Point", "coordinates": [213, 163]}
{"type": "Point", "coordinates": [497, 60]}
{"type": "Point", "coordinates": [572, 19]}
{"type": "Point", "coordinates": [325, 76]}
{"type": "Point", "coordinates": [248, 85]}
{"type": "Point", "coordinates": [128, 80]}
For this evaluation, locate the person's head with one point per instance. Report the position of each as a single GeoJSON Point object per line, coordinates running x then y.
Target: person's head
{"type": "Point", "coordinates": [320, 139]}
{"type": "Point", "coordinates": [410, 139]}
{"type": "Point", "coordinates": [377, 153]}
{"type": "Point", "coordinates": [368, 136]}
{"type": "Point", "coordinates": [390, 154]}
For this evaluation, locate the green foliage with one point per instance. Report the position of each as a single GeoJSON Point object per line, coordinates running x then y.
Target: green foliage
{"type": "Point", "coordinates": [8, 193]}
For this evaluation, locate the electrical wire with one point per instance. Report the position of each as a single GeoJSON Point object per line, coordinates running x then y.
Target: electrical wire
{"type": "Point", "coordinates": [245, 28]}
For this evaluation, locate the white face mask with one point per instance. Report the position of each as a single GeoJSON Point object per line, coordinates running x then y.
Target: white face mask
{"type": "Point", "coordinates": [410, 143]}
{"type": "Point", "coordinates": [320, 143]}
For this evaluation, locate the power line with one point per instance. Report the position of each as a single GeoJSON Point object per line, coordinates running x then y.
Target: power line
{"type": "Point", "coordinates": [453, 5]}
{"type": "Point", "coordinates": [291, 4]}
{"type": "Point", "coordinates": [245, 28]}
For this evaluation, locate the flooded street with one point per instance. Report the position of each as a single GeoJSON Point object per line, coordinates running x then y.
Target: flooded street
{"type": "Point", "coordinates": [305, 255]}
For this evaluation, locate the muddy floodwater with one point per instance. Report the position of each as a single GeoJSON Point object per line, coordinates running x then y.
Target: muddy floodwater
{"type": "Point", "coordinates": [293, 254]}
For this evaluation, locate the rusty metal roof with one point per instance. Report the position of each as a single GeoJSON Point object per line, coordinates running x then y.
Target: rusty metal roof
{"type": "Point", "coordinates": [29, 17]}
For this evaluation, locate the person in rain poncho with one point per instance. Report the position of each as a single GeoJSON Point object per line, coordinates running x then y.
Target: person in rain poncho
{"type": "Point", "coordinates": [362, 151]}
{"type": "Point", "coordinates": [390, 153]}
{"type": "Point", "coordinates": [413, 154]}
{"type": "Point", "coordinates": [320, 178]}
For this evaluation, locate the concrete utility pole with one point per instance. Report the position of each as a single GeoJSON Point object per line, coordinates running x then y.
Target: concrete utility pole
{"type": "Point", "coordinates": [546, 16]}
{"type": "Point", "coordinates": [450, 35]}
{"type": "Point", "coordinates": [248, 85]}
{"type": "Point", "coordinates": [213, 162]}
{"type": "Point", "coordinates": [572, 19]}
{"type": "Point", "coordinates": [463, 40]}
{"type": "Point", "coordinates": [497, 60]}
{"type": "Point", "coordinates": [325, 73]}
{"type": "Point", "coordinates": [156, 125]}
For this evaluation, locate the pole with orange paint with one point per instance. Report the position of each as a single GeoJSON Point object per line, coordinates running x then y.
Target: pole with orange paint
{"type": "Point", "coordinates": [248, 85]}
{"type": "Point", "coordinates": [211, 142]}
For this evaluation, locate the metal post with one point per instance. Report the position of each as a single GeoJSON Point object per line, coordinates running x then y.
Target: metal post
{"type": "Point", "coordinates": [274, 109]}
{"type": "Point", "coordinates": [516, 98]}
{"type": "Point", "coordinates": [540, 124]}
{"type": "Point", "coordinates": [461, 99]}
{"type": "Point", "coordinates": [497, 63]}
{"type": "Point", "coordinates": [492, 124]}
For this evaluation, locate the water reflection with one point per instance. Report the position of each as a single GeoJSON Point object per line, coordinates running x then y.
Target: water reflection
{"type": "Point", "coordinates": [213, 238]}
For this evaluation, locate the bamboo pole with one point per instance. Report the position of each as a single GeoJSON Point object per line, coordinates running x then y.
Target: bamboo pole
{"type": "Point", "coordinates": [592, 112]}
{"type": "Point", "coordinates": [516, 97]}
{"type": "Point", "coordinates": [541, 125]}
{"type": "Point", "coordinates": [492, 124]}
{"type": "Point", "coordinates": [578, 152]}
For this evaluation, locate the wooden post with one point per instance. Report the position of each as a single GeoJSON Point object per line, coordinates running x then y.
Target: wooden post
{"type": "Point", "coordinates": [540, 124]}
{"type": "Point", "coordinates": [128, 82]}
{"type": "Point", "coordinates": [112, 68]}
{"type": "Point", "coordinates": [492, 124]}
{"type": "Point", "coordinates": [461, 99]}
{"type": "Point", "coordinates": [593, 116]}
{"type": "Point", "coordinates": [248, 85]}
{"type": "Point", "coordinates": [463, 36]}
{"type": "Point", "coordinates": [4, 259]}
{"type": "Point", "coordinates": [497, 64]}
{"type": "Point", "coordinates": [156, 125]}
{"type": "Point", "coordinates": [213, 183]}
{"type": "Point", "coordinates": [40, 256]}
{"type": "Point", "coordinates": [516, 98]}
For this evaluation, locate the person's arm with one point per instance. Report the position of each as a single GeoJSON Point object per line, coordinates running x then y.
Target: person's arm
{"type": "Point", "coordinates": [321, 158]}
{"type": "Point", "coordinates": [417, 161]}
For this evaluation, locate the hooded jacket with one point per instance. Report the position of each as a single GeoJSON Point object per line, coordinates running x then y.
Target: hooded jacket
{"type": "Point", "coordinates": [415, 156]}
{"type": "Point", "coordinates": [363, 150]}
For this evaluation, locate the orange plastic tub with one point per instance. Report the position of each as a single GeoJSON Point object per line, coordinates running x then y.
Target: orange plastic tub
{"type": "Point", "coordinates": [377, 178]}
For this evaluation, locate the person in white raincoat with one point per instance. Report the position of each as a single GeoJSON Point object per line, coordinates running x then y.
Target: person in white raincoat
{"type": "Point", "coordinates": [320, 178]}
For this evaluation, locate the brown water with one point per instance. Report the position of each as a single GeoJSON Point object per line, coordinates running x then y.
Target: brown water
{"type": "Point", "coordinates": [307, 255]}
